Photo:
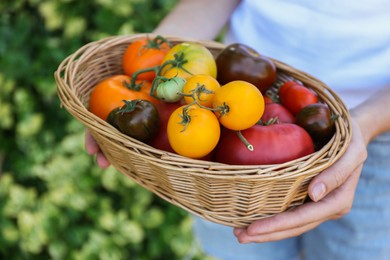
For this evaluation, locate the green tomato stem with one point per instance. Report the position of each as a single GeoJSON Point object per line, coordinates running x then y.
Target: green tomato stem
{"type": "Point", "coordinates": [223, 110]}
{"type": "Point", "coordinates": [178, 62]}
{"type": "Point", "coordinates": [135, 75]}
{"type": "Point", "coordinates": [271, 121]}
{"type": "Point", "coordinates": [129, 106]}
{"type": "Point", "coordinates": [243, 139]}
{"type": "Point", "coordinates": [186, 118]}
{"type": "Point", "coordinates": [135, 87]}
{"type": "Point", "coordinates": [196, 102]}
{"type": "Point", "coordinates": [185, 95]}
{"type": "Point", "coordinates": [159, 40]}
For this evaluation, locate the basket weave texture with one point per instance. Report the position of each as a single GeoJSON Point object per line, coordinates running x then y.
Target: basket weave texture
{"type": "Point", "coordinates": [227, 194]}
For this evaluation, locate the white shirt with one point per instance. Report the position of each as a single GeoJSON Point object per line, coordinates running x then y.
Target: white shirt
{"type": "Point", "coordinates": [345, 44]}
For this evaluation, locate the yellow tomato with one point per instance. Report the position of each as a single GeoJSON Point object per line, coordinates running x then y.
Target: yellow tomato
{"type": "Point", "coordinates": [202, 89]}
{"type": "Point", "coordinates": [240, 105]}
{"type": "Point", "coordinates": [193, 131]}
{"type": "Point", "coordinates": [187, 59]}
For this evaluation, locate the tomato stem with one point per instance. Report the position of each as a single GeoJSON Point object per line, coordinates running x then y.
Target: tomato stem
{"type": "Point", "coordinates": [196, 102]}
{"type": "Point", "coordinates": [186, 118]}
{"type": "Point", "coordinates": [135, 75]}
{"type": "Point", "coordinates": [136, 87]}
{"type": "Point", "coordinates": [128, 106]}
{"type": "Point", "coordinates": [178, 62]}
{"type": "Point", "coordinates": [223, 110]}
{"type": "Point", "coordinates": [155, 43]}
{"type": "Point", "coordinates": [271, 121]}
{"type": "Point", "coordinates": [201, 88]}
{"type": "Point", "coordinates": [185, 95]}
{"type": "Point", "coordinates": [243, 139]}
{"type": "Point", "coordinates": [159, 40]}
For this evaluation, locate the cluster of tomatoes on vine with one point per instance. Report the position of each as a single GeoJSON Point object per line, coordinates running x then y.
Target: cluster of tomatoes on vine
{"type": "Point", "coordinates": [180, 98]}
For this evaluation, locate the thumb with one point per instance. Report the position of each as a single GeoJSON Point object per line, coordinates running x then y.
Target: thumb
{"type": "Point", "coordinates": [340, 171]}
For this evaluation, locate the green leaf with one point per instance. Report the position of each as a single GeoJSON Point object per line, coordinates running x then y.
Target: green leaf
{"type": "Point", "coordinates": [30, 125]}
{"type": "Point", "coordinates": [132, 231]}
{"type": "Point", "coordinates": [20, 198]}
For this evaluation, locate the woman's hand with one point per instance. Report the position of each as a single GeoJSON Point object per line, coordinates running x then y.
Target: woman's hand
{"type": "Point", "coordinates": [332, 193]}
{"type": "Point", "coordinates": [93, 149]}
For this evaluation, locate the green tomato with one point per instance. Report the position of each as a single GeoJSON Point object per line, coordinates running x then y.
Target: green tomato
{"type": "Point", "coordinates": [171, 89]}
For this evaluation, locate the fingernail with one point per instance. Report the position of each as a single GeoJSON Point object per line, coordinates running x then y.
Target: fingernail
{"type": "Point", "coordinates": [318, 191]}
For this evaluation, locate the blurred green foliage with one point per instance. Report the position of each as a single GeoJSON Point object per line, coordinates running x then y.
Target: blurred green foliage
{"type": "Point", "coordinates": [55, 203]}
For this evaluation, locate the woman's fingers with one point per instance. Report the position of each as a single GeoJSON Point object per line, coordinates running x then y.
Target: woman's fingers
{"type": "Point", "coordinates": [337, 174]}
{"type": "Point", "coordinates": [93, 148]}
{"type": "Point", "coordinates": [244, 237]}
{"type": "Point", "coordinates": [90, 144]}
{"type": "Point", "coordinates": [303, 218]}
{"type": "Point", "coordinates": [101, 160]}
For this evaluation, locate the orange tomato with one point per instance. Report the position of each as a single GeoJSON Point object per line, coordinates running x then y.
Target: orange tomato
{"type": "Point", "coordinates": [240, 105]}
{"type": "Point", "coordinates": [193, 131]}
{"type": "Point", "coordinates": [142, 54]}
{"type": "Point", "coordinates": [110, 93]}
{"type": "Point", "coordinates": [202, 88]}
{"type": "Point", "coordinates": [191, 59]}
{"type": "Point", "coordinates": [145, 86]}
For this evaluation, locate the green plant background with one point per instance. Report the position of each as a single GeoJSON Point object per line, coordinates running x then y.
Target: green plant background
{"type": "Point", "coordinates": [55, 203]}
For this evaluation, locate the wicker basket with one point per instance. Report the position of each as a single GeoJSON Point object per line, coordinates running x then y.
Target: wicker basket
{"type": "Point", "coordinates": [227, 194]}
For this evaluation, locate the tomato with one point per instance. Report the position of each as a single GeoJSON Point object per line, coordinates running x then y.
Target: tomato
{"type": "Point", "coordinates": [112, 117]}
{"type": "Point", "coordinates": [170, 89]}
{"type": "Point", "coordinates": [143, 54]}
{"type": "Point", "coordinates": [193, 131]}
{"type": "Point", "coordinates": [239, 105]}
{"type": "Point", "coordinates": [285, 86]}
{"type": "Point", "coordinates": [187, 59]}
{"type": "Point", "coordinates": [138, 119]}
{"type": "Point", "coordinates": [295, 96]}
{"type": "Point", "coordinates": [200, 88]}
{"type": "Point", "coordinates": [110, 93]}
{"type": "Point", "coordinates": [278, 112]}
{"type": "Point", "coordinates": [272, 144]}
{"type": "Point", "coordinates": [317, 120]}
{"type": "Point", "coordinates": [145, 86]}
{"type": "Point", "coordinates": [240, 62]}
{"type": "Point", "coordinates": [165, 110]}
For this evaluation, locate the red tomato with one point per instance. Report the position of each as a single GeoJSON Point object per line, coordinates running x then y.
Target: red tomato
{"type": "Point", "coordinates": [165, 110]}
{"type": "Point", "coordinates": [142, 54]}
{"type": "Point", "coordinates": [295, 96]}
{"type": "Point", "coordinates": [272, 144]}
{"type": "Point", "coordinates": [275, 110]}
{"type": "Point", "coordinates": [285, 86]}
